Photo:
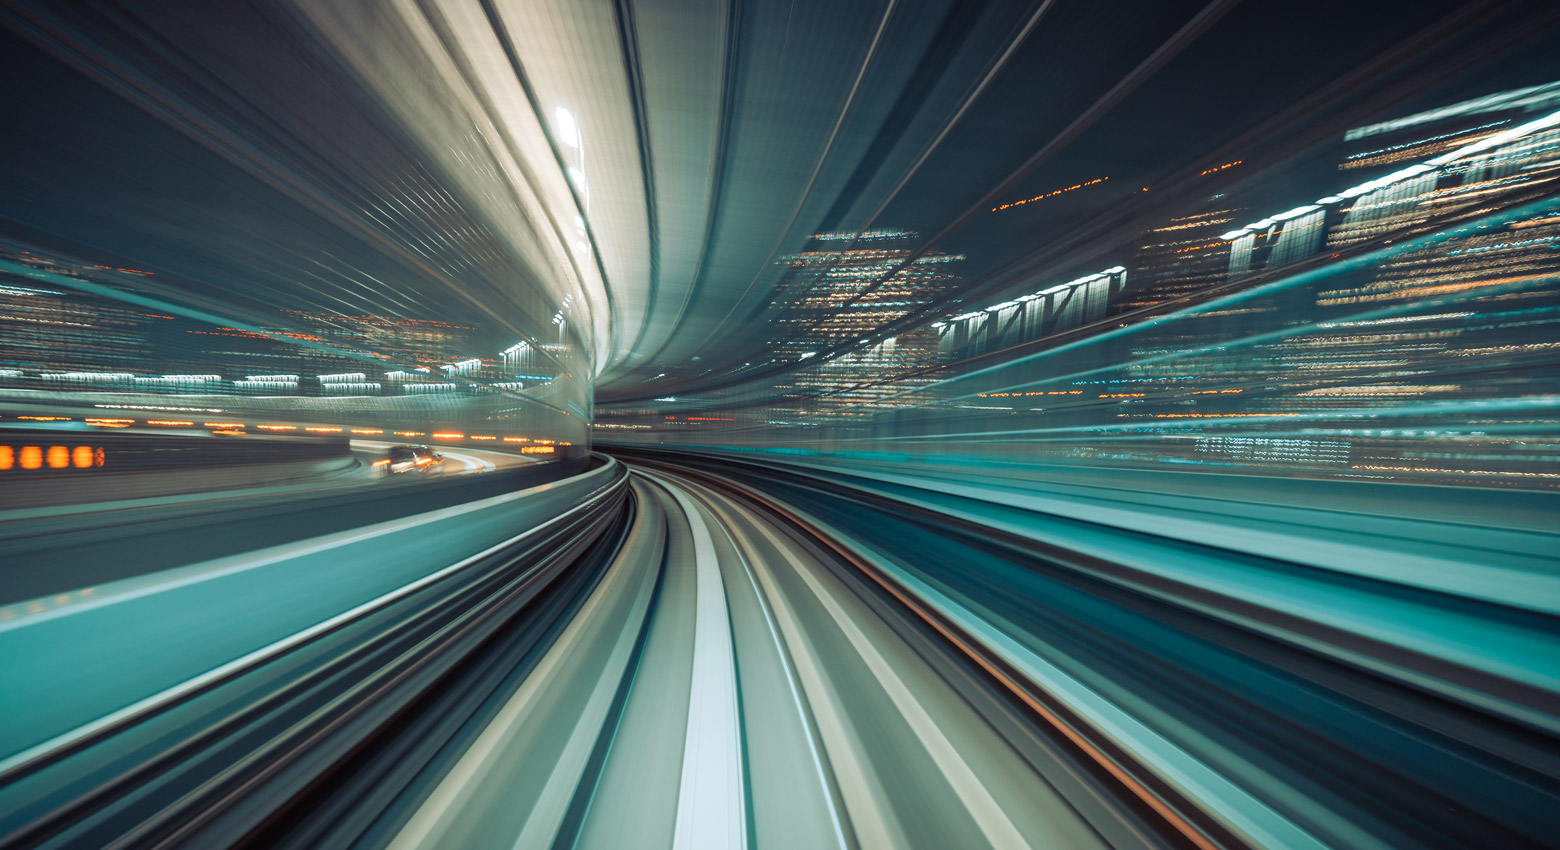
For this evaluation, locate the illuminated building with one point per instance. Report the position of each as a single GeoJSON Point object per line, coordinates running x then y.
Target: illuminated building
{"type": "Point", "coordinates": [836, 294]}
{"type": "Point", "coordinates": [826, 296]}
{"type": "Point", "coordinates": [1054, 309]}
{"type": "Point", "coordinates": [48, 329]}
{"type": "Point", "coordinates": [1382, 363]}
{"type": "Point", "coordinates": [1181, 257]}
{"type": "Point", "coordinates": [421, 342]}
{"type": "Point", "coordinates": [525, 362]}
{"type": "Point", "coordinates": [257, 363]}
{"type": "Point", "coordinates": [864, 377]}
{"type": "Point", "coordinates": [1501, 149]}
{"type": "Point", "coordinates": [1398, 357]}
{"type": "Point", "coordinates": [1495, 161]}
{"type": "Point", "coordinates": [61, 339]}
{"type": "Point", "coordinates": [1435, 132]}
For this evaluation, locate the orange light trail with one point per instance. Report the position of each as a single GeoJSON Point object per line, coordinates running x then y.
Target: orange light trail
{"type": "Point", "coordinates": [1051, 194]}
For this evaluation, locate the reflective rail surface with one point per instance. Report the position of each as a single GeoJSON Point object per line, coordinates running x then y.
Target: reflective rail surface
{"type": "Point", "coordinates": [700, 650]}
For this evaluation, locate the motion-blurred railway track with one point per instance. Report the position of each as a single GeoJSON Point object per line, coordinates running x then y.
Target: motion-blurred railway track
{"type": "Point", "coordinates": [709, 652]}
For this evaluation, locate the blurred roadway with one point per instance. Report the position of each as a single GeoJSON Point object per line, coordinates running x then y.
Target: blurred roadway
{"type": "Point", "coordinates": [115, 527]}
{"type": "Point", "coordinates": [714, 652]}
{"type": "Point", "coordinates": [457, 461]}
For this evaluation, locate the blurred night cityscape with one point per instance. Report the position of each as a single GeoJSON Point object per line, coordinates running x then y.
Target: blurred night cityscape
{"type": "Point", "coordinates": [779, 423]}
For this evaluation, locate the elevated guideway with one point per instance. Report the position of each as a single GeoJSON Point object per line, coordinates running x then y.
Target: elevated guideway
{"type": "Point", "coordinates": [704, 650]}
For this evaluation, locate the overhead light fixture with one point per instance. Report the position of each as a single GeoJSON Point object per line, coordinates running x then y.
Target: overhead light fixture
{"type": "Point", "coordinates": [568, 129]}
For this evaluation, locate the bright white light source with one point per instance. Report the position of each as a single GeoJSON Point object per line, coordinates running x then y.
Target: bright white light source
{"type": "Point", "coordinates": [568, 131]}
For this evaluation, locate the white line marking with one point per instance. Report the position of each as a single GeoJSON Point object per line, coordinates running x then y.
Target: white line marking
{"type": "Point", "coordinates": [790, 683]}
{"type": "Point", "coordinates": [711, 800]}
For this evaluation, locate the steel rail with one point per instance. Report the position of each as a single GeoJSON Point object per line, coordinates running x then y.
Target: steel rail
{"type": "Point", "coordinates": [1184, 815]}
{"type": "Point", "coordinates": [60, 746]}
{"type": "Point", "coordinates": [314, 743]}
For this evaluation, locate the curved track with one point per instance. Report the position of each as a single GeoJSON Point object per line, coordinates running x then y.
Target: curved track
{"type": "Point", "coordinates": [710, 653]}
